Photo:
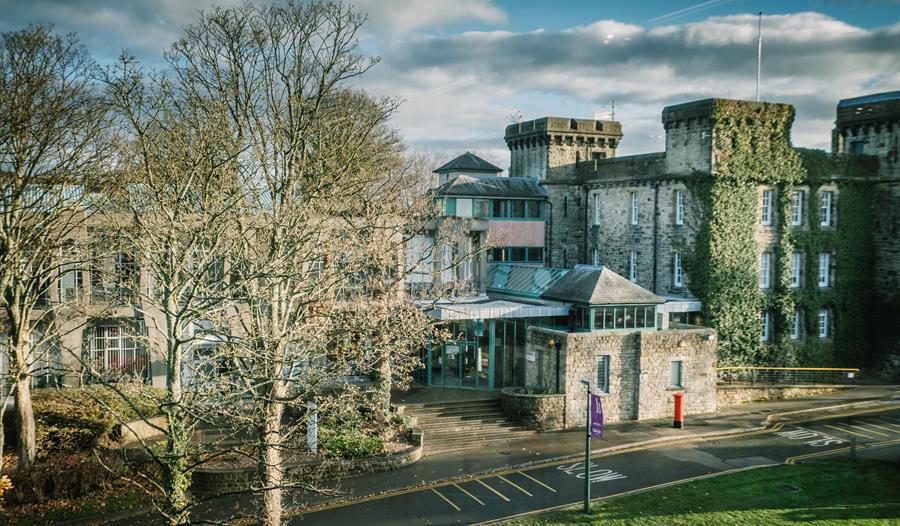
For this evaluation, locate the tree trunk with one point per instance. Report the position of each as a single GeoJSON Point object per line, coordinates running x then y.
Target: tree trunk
{"type": "Point", "coordinates": [272, 463]}
{"type": "Point", "coordinates": [25, 424]}
{"type": "Point", "coordinates": [382, 395]}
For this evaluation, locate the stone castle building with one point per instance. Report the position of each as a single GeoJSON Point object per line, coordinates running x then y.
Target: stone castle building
{"type": "Point", "coordinates": [813, 268]}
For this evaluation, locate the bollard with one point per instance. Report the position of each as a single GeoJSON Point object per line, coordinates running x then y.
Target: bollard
{"type": "Point", "coordinates": [679, 410]}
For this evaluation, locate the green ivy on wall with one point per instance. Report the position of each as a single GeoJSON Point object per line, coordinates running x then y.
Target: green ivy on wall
{"type": "Point", "coordinates": [751, 144]}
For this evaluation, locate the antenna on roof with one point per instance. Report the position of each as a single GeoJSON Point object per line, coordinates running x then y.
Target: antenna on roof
{"type": "Point", "coordinates": [758, 54]}
{"type": "Point", "coordinates": [613, 113]}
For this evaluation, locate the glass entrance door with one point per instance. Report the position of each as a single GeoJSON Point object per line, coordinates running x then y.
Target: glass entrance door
{"type": "Point", "coordinates": [464, 364]}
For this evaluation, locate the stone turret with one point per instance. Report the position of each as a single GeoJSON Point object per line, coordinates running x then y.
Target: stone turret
{"type": "Point", "coordinates": [551, 147]}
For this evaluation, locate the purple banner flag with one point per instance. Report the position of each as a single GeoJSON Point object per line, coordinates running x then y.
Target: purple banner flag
{"type": "Point", "coordinates": [596, 417]}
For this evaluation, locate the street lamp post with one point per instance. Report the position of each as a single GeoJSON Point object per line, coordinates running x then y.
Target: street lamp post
{"type": "Point", "coordinates": [587, 451]}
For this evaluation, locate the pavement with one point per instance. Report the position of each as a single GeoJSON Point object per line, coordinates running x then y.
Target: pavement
{"type": "Point", "coordinates": [559, 446]}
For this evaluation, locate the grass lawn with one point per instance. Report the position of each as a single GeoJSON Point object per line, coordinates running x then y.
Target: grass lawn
{"type": "Point", "coordinates": [826, 493]}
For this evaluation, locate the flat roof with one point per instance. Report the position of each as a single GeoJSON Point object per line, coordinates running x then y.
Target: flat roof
{"type": "Point", "coordinates": [484, 308]}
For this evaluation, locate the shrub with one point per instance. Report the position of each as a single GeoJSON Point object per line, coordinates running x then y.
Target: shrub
{"type": "Point", "coordinates": [73, 419]}
{"type": "Point", "coordinates": [349, 443]}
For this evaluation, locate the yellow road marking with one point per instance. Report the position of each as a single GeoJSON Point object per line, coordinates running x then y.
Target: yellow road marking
{"type": "Point", "coordinates": [889, 430]}
{"type": "Point", "coordinates": [513, 484]}
{"type": "Point", "coordinates": [596, 454]}
{"type": "Point", "coordinates": [886, 423]}
{"type": "Point", "coordinates": [851, 432]}
{"type": "Point", "coordinates": [448, 501]}
{"type": "Point", "coordinates": [792, 460]}
{"type": "Point", "coordinates": [476, 499]}
{"type": "Point", "coordinates": [866, 429]}
{"type": "Point", "coordinates": [502, 496]}
{"type": "Point", "coordinates": [529, 477]}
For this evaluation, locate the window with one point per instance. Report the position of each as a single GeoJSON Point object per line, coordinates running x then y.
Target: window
{"type": "Point", "coordinates": [824, 323]}
{"type": "Point", "coordinates": [797, 199]}
{"type": "Point", "coordinates": [765, 261]}
{"type": "Point", "coordinates": [565, 206]}
{"type": "Point", "coordinates": [535, 209]}
{"type": "Point", "coordinates": [632, 266]}
{"type": "Point", "coordinates": [70, 282]}
{"type": "Point", "coordinates": [675, 374]}
{"type": "Point", "coordinates": [764, 320]}
{"type": "Point", "coordinates": [112, 350]}
{"type": "Point", "coordinates": [634, 208]}
{"type": "Point", "coordinates": [451, 206]}
{"type": "Point", "coordinates": [518, 254]}
{"type": "Point", "coordinates": [824, 270]}
{"type": "Point", "coordinates": [596, 209]}
{"type": "Point", "coordinates": [595, 257]}
{"type": "Point", "coordinates": [679, 207]}
{"type": "Point", "coordinates": [826, 209]}
{"type": "Point", "coordinates": [765, 216]}
{"type": "Point", "coordinates": [797, 325]}
{"type": "Point", "coordinates": [603, 374]}
{"type": "Point", "coordinates": [796, 266]}
{"type": "Point", "coordinates": [516, 208]}
{"type": "Point", "coordinates": [858, 147]}
{"type": "Point", "coordinates": [497, 208]}
{"type": "Point", "coordinates": [676, 270]}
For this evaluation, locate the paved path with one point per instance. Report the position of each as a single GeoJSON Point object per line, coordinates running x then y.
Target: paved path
{"type": "Point", "coordinates": [517, 491]}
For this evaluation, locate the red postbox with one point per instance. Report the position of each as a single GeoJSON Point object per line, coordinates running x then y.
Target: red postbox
{"type": "Point", "coordinates": [679, 410]}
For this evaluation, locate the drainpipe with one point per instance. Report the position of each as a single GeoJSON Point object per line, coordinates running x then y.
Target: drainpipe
{"type": "Point", "coordinates": [655, 231]}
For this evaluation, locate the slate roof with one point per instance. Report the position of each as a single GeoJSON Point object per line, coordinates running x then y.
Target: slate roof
{"type": "Point", "coordinates": [869, 99]}
{"type": "Point", "coordinates": [522, 281]}
{"type": "Point", "coordinates": [468, 162]}
{"type": "Point", "coordinates": [492, 186]}
{"type": "Point", "coordinates": [598, 285]}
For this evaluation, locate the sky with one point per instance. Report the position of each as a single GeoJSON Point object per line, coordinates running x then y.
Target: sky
{"type": "Point", "coordinates": [463, 68]}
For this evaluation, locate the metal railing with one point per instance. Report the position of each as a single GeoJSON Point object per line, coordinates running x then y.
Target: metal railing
{"type": "Point", "coordinates": [786, 375]}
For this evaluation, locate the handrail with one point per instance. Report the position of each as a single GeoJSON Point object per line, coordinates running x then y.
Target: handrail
{"type": "Point", "coordinates": [786, 375]}
{"type": "Point", "coordinates": [741, 367]}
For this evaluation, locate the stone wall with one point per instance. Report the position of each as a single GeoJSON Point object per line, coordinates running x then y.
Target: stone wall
{"type": "Point", "coordinates": [565, 225]}
{"type": "Point", "coordinates": [541, 412]}
{"type": "Point", "coordinates": [696, 350]}
{"type": "Point", "coordinates": [212, 481]}
{"type": "Point", "coordinates": [639, 371]}
{"type": "Point", "coordinates": [886, 232]}
{"type": "Point", "coordinates": [139, 430]}
{"type": "Point", "coordinates": [729, 395]}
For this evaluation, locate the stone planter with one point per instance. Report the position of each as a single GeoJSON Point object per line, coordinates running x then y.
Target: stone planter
{"type": "Point", "coordinates": [138, 430]}
{"type": "Point", "coordinates": [540, 412]}
{"type": "Point", "coordinates": [211, 481]}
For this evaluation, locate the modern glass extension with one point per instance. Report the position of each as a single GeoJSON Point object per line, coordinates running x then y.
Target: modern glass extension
{"type": "Point", "coordinates": [495, 359]}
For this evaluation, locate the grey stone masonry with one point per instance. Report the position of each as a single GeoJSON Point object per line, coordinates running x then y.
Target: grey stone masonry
{"type": "Point", "coordinates": [553, 146]}
{"type": "Point", "coordinates": [640, 378]}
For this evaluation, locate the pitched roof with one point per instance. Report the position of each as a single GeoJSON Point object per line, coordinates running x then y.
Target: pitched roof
{"type": "Point", "coordinates": [525, 281]}
{"type": "Point", "coordinates": [492, 186]}
{"type": "Point", "coordinates": [468, 162]}
{"type": "Point", "coordinates": [598, 285]}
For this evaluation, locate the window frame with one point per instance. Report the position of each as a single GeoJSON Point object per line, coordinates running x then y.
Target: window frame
{"type": "Point", "coordinates": [765, 320]}
{"type": "Point", "coordinates": [796, 270]}
{"type": "Point", "coordinates": [679, 207]}
{"type": "Point", "coordinates": [824, 329]}
{"type": "Point", "coordinates": [606, 360]}
{"type": "Point", "coordinates": [765, 216]}
{"type": "Point", "coordinates": [676, 374]}
{"type": "Point", "coordinates": [824, 279]}
{"type": "Point", "coordinates": [826, 208]}
{"type": "Point", "coordinates": [596, 209]}
{"type": "Point", "coordinates": [765, 270]}
{"type": "Point", "coordinates": [634, 208]}
{"type": "Point", "coordinates": [632, 266]}
{"type": "Point", "coordinates": [797, 325]}
{"type": "Point", "coordinates": [677, 272]}
{"type": "Point", "coordinates": [798, 198]}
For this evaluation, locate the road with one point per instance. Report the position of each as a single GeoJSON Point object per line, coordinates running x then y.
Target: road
{"type": "Point", "coordinates": [515, 492]}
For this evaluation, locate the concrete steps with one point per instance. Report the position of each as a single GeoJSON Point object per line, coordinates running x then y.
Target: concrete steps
{"type": "Point", "coordinates": [463, 425]}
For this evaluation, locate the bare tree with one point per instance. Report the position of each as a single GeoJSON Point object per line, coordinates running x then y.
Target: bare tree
{"type": "Point", "coordinates": [53, 139]}
{"type": "Point", "coordinates": [178, 184]}
{"type": "Point", "coordinates": [318, 267]}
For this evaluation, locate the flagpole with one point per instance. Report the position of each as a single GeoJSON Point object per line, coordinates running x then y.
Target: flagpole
{"type": "Point", "coordinates": [758, 54]}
